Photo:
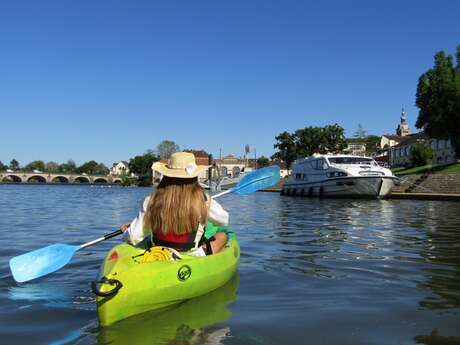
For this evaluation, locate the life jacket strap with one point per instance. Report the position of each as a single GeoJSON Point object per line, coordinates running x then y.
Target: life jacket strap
{"type": "Point", "coordinates": [181, 245]}
{"type": "Point", "coordinates": [199, 235]}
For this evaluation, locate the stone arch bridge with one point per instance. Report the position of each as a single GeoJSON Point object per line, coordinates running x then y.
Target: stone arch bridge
{"type": "Point", "coordinates": [56, 178]}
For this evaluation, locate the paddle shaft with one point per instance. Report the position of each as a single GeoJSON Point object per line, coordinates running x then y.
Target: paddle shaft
{"type": "Point", "coordinates": [100, 239]}
{"type": "Point", "coordinates": [221, 193]}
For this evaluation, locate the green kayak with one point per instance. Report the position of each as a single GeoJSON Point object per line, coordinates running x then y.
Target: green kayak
{"type": "Point", "coordinates": [184, 323]}
{"type": "Point", "coordinates": [134, 280]}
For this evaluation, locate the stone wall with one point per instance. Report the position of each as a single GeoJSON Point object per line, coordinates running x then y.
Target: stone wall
{"type": "Point", "coordinates": [406, 182]}
{"type": "Point", "coordinates": [429, 183]}
{"type": "Point", "coordinates": [440, 183]}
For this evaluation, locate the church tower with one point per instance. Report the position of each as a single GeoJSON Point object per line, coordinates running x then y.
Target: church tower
{"type": "Point", "coordinates": [403, 127]}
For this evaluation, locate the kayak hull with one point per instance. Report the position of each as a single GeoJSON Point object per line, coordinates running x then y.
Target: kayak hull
{"type": "Point", "coordinates": [134, 286]}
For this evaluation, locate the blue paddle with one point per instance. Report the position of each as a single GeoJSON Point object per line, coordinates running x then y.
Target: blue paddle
{"type": "Point", "coordinates": [46, 260]}
{"type": "Point", "coordinates": [254, 181]}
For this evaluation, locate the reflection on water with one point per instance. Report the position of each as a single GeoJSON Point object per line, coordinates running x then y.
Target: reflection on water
{"type": "Point", "coordinates": [50, 294]}
{"type": "Point", "coordinates": [442, 251]}
{"type": "Point", "coordinates": [335, 239]}
{"type": "Point", "coordinates": [183, 324]}
{"type": "Point", "coordinates": [312, 271]}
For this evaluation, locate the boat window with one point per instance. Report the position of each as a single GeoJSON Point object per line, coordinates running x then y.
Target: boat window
{"type": "Point", "coordinates": [351, 160]}
{"type": "Point", "coordinates": [322, 164]}
{"type": "Point", "coordinates": [299, 176]}
{"type": "Point", "coordinates": [314, 164]}
{"type": "Point", "coordinates": [319, 164]}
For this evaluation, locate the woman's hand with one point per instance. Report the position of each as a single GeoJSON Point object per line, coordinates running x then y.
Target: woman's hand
{"type": "Point", "coordinates": [124, 227]}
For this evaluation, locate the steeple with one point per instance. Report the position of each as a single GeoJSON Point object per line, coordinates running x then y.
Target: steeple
{"type": "Point", "coordinates": [403, 127]}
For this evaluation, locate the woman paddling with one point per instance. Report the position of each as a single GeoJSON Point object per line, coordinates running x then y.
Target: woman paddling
{"type": "Point", "coordinates": [177, 213]}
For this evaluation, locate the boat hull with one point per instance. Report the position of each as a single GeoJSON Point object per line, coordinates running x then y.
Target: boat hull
{"type": "Point", "coordinates": [345, 187]}
{"type": "Point", "coordinates": [155, 285]}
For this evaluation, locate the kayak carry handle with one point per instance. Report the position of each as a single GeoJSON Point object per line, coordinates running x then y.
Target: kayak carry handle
{"type": "Point", "coordinates": [110, 293]}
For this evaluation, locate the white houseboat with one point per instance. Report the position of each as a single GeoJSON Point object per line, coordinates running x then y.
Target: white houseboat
{"type": "Point", "coordinates": [339, 176]}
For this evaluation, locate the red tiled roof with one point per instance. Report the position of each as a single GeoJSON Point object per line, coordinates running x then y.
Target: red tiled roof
{"type": "Point", "coordinates": [198, 153]}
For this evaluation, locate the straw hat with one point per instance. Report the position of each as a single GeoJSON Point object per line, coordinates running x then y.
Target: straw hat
{"type": "Point", "coordinates": [180, 165]}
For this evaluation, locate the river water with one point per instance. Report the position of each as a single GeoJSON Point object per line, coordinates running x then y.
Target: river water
{"type": "Point", "coordinates": [311, 272]}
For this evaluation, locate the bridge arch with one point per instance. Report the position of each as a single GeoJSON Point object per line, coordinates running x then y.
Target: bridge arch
{"type": "Point", "coordinates": [81, 179]}
{"type": "Point", "coordinates": [60, 179]}
{"type": "Point", "coordinates": [117, 180]}
{"type": "Point", "coordinates": [36, 179]}
{"type": "Point", "coordinates": [11, 179]}
{"type": "Point", "coordinates": [100, 180]}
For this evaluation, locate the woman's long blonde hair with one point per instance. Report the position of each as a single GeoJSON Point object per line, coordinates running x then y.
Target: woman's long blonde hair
{"type": "Point", "coordinates": [178, 206]}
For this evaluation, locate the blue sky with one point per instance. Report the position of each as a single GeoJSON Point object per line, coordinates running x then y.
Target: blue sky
{"type": "Point", "coordinates": [107, 80]}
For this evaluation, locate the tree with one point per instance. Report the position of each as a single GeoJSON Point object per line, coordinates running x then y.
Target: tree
{"type": "Point", "coordinates": [102, 169]}
{"type": "Point", "coordinates": [142, 167]}
{"type": "Point", "coordinates": [334, 138]}
{"type": "Point", "coordinates": [166, 148]}
{"type": "Point", "coordinates": [2, 166]}
{"type": "Point", "coordinates": [438, 98]}
{"type": "Point", "coordinates": [14, 164]}
{"type": "Point", "coordinates": [360, 133]}
{"type": "Point", "coordinates": [421, 154]}
{"type": "Point", "coordinates": [306, 141]}
{"type": "Point", "coordinates": [93, 168]}
{"type": "Point", "coordinates": [52, 167]}
{"type": "Point", "coordinates": [127, 180]}
{"type": "Point", "coordinates": [69, 167]}
{"type": "Point", "coordinates": [286, 148]}
{"type": "Point", "coordinates": [263, 162]}
{"type": "Point", "coordinates": [35, 165]}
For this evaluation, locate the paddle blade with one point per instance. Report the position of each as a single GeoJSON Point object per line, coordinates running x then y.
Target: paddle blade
{"type": "Point", "coordinates": [41, 262]}
{"type": "Point", "coordinates": [258, 179]}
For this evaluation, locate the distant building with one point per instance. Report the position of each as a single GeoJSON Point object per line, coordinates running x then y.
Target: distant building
{"type": "Point", "coordinates": [201, 156]}
{"type": "Point", "coordinates": [444, 152]}
{"type": "Point", "coordinates": [399, 146]}
{"type": "Point", "coordinates": [355, 146]}
{"type": "Point", "coordinates": [231, 166]}
{"type": "Point", "coordinates": [389, 140]}
{"type": "Point", "coordinates": [120, 168]}
{"type": "Point", "coordinates": [400, 154]}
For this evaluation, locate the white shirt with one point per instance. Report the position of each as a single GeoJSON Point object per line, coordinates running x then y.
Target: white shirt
{"type": "Point", "coordinates": [136, 232]}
